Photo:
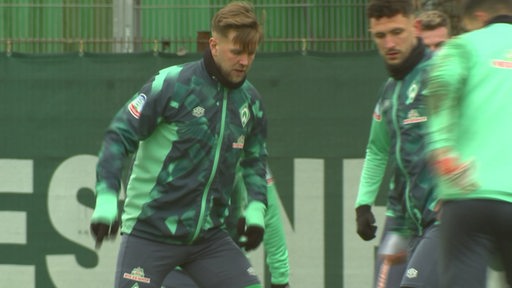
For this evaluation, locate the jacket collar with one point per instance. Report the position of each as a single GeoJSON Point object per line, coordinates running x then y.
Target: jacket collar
{"type": "Point", "coordinates": [214, 71]}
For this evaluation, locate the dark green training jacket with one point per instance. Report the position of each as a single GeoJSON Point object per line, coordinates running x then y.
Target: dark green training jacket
{"type": "Point", "coordinates": [397, 134]}
{"type": "Point", "coordinates": [189, 134]}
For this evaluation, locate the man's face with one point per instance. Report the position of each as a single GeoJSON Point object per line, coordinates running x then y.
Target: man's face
{"type": "Point", "coordinates": [232, 60]}
{"type": "Point", "coordinates": [474, 22]}
{"type": "Point", "coordinates": [395, 37]}
{"type": "Point", "coordinates": [434, 39]}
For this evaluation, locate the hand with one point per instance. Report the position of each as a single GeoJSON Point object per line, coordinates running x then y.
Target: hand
{"type": "Point", "coordinates": [102, 231]}
{"type": "Point", "coordinates": [455, 173]}
{"type": "Point", "coordinates": [365, 220]}
{"type": "Point", "coordinates": [253, 235]}
{"type": "Point", "coordinates": [105, 219]}
{"type": "Point", "coordinates": [280, 285]}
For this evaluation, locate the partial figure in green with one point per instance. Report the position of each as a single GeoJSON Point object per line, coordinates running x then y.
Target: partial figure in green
{"type": "Point", "coordinates": [469, 94]}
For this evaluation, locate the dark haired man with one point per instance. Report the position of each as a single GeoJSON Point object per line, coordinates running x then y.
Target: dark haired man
{"type": "Point", "coordinates": [397, 137]}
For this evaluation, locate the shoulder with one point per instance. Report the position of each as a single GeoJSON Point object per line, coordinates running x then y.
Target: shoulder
{"type": "Point", "coordinates": [249, 88]}
{"type": "Point", "coordinates": [182, 71]}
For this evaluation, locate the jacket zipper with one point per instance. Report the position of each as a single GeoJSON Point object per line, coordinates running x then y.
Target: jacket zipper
{"type": "Point", "coordinates": [218, 148]}
{"type": "Point", "coordinates": [410, 208]}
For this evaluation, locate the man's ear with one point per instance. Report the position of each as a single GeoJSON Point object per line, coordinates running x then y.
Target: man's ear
{"type": "Point", "coordinates": [213, 45]}
{"type": "Point", "coordinates": [417, 27]}
{"type": "Point", "coordinates": [482, 17]}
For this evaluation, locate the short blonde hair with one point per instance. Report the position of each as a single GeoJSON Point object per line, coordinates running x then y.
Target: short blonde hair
{"type": "Point", "coordinates": [433, 19]}
{"type": "Point", "coordinates": [239, 16]}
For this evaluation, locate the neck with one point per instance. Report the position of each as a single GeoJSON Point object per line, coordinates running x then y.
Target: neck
{"type": "Point", "coordinates": [214, 71]}
{"type": "Point", "coordinates": [399, 71]}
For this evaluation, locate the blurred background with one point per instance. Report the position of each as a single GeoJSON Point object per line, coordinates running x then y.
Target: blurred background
{"type": "Point", "coordinates": [66, 66]}
{"type": "Point", "coordinates": [182, 26]}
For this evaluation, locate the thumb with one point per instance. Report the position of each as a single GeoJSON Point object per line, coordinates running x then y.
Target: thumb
{"type": "Point", "coordinates": [240, 226]}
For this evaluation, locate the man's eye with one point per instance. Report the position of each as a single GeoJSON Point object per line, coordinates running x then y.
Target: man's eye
{"type": "Point", "coordinates": [396, 32]}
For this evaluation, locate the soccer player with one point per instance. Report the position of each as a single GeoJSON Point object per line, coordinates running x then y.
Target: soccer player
{"type": "Point", "coordinates": [397, 137]}
{"type": "Point", "coordinates": [470, 100]}
{"type": "Point", "coordinates": [434, 28]}
{"type": "Point", "coordinates": [274, 241]}
{"type": "Point", "coordinates": [189, 127]}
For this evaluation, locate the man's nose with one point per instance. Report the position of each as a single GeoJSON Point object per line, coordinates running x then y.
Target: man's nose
{"type": "Point", "coordinates": [244, 59]}
{"type": "Point", "coordinates": [389, 42]}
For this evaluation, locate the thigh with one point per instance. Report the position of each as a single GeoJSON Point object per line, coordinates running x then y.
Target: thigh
{"type": "Point", "coordinates": [503, 236]}
{"type": "Point", "coordinates": [423, 267]}
{"type": "Point", "coordinates": [465, 244]}
{"type": "Point", "coordinates": [145, 263]}
{"type": "Point", "coordinates": [221, 263]}
{"type": "Point", "coordinates": [387, 274]}
{"type": "Point", "coordinates": [178, 278]}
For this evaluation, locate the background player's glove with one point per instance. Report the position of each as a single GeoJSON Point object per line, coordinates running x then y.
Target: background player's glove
{"type": "Point", "coordinates": [455, 173]}
{"type": "Point", "coordinates": [280, 285]}
{"type": "Point", "coordinates": [104, 220]}
{"type": "Point", "coordinates": [365, 220]}
{"type": "Point", "coordinates": [250, 236]}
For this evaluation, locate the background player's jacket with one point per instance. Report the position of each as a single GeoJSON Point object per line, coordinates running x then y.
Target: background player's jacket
{"type": "Point", "coordinates": [397, 133]}
{"type": "Point", "coordinates": [274, 240]}
{"type": "Point", "coordinates": [471, 96]}
{"type": "Point", "coordinates": [189, 134]}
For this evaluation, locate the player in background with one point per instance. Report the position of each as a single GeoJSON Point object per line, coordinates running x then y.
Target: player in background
{"type": "Point", "coordinates": [434, 28]}
{"type": "Point", "coordinates": [469, 97]}
{"type": "Point", "coordinates": [274, 240]}
{"type": "Point", "coordinates": [396, 138]}
{"type": "Point", "coordinates": [189, 127]}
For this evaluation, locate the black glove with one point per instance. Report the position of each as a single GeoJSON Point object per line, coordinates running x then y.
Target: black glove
{"type": "Point", "coordinates": [253, 235]}
{"type": "Point", "coordinates": [280, 285]}
{"type": "Point", "coordinates": [102, 231]}
{"type": "Point", "coordinates": [365, 220]}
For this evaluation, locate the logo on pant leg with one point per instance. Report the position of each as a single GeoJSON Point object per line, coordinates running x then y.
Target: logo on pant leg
{"type": "Point", "coordinates": [251, 271]}
{"type": "Point", "coordinates": [412, 273]}
{"type": "Point", "coordinates": [137, 274]}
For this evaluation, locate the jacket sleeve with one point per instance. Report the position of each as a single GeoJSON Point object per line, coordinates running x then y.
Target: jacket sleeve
{"type": "Point", "coordinates": [447, 74]}
{"type": "Point", "coordinates": [253, 164]}
{"type": "Point", "coordinates": [374, 167]}
{"type": "Point", "coordinates": [274, 240]}
{"type": "Point", "coordinates": [134, 122]}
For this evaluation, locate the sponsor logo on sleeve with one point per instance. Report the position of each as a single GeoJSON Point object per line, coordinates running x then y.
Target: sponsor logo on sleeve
{"type": "Point", "coordinates": [135, 107]}
{"type": "Point", "coordinates": [377, 113]}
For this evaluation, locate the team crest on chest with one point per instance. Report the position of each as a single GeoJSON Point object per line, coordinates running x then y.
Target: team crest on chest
{"type": "Point", "coordinates": [411, 93]}
{"type": "Point", "coordinates": [244, 115]}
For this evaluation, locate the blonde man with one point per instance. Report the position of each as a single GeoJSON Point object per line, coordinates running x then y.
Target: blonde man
{"type": "Point", "coordinates": [434, 28]}
{"type": "Point", "coordinates": [190, 127]}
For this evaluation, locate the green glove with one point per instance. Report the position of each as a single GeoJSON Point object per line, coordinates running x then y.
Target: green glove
{"type": "Point", "coordinates": [104, 220]}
